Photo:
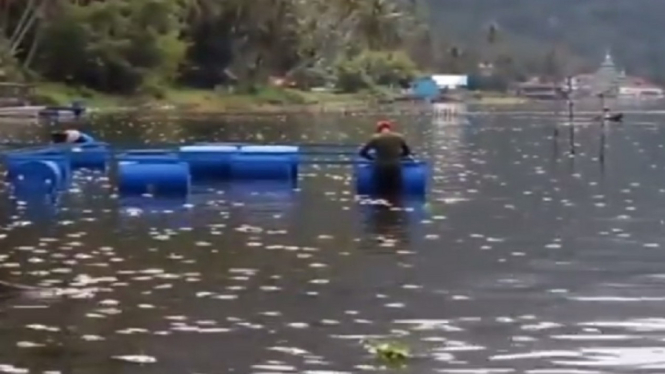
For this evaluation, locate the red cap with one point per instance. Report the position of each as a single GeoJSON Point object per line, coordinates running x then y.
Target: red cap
{"type": "Point", "coordinates": [383, 125]}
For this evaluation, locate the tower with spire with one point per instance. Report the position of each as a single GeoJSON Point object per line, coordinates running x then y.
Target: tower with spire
{"type": "Point", "coordinates": [607, 78]}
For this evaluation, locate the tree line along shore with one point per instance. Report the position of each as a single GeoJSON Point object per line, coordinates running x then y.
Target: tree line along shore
{"type": "Point", "coordinates": [211, 54]}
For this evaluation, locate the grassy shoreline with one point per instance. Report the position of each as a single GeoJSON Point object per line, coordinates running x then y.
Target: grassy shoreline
{"type": "Point", "coordinates": [197, 100]}
{"type": "Point", "coordinates": [265, 100]}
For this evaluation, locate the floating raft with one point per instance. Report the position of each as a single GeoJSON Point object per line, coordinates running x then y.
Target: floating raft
{"type": "Point", "coordinates": [174, 170]}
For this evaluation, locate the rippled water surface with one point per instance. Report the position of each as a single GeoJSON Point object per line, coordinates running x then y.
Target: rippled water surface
{"type": "Point", "coordinates": [532, 254]}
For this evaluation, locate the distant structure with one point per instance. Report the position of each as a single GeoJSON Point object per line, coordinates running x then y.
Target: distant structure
{"type": "Point", "coordinates": [607, 78]}
{"type": "Point", "coordinates": [612, 82]}
{"type": "Point", "coordinates": [434, 86]}
{"type": "Point", "coordinates": [425, 88]}
{"type": "Point", "coordinates": [635, 88]}
{"type": "Point", "coordinates": [538, 89]}
{"type": "Point", "coordinates": [448, 82]}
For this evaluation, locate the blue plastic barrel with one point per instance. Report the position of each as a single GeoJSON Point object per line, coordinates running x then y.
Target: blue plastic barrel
{"type": "Point", "coordinates": [265, 162]}
{"type": "Point", "coordinates": [415, 175]}
{"type": "Point", "coordinates": [279, 150]}
{"type": "Point", "coordinates": [151, 204]}
{"type": "Point", "coordinates": [158, 179]}
{"type": "Point", "coordinates": [149, 156]}
{"type": "Point", "coordinates": [89, 156]}
{"type": "Point", "coordinates": [86, 138]}
{"type": "Point", "coordinates": [14, 160]}
{"type": "Point", "coordinates": [208, 162]}
{"type": "Point", "coordinates": [225, 144]}
{"type": "Point", "coordinates": [61, 157]}
{"type": "Point", "coordinates": [37, 177]}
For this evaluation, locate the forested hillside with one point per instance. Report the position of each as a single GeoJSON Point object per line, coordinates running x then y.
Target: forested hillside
{"type": "Point", "coordinates": [147, 46]}
{"type": "Point", "coordinates": [142, 46]}
{"type": "Point", "coordinates": [577, 31]}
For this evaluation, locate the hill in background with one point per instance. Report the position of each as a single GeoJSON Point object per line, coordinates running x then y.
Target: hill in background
{"type": "Point", "coordinates": [556, 36]}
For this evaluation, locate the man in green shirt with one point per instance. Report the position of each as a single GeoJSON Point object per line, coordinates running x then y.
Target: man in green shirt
{"type": "Point", "coordinates": [389, 149]}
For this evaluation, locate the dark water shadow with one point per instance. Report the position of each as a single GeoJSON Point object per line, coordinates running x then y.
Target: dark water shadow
{"type": "Point", "coordinates": [395, 219]}
{"type": "Point", "coordinates": [39, 208]}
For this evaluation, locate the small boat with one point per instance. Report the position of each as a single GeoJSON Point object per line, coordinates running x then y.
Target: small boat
{"type": "Point", "coordinates": [61, 111]}
{"type": "Point", "coordinates": [617, 117]}
{"type": "Point", "coordinates": [74, 110]}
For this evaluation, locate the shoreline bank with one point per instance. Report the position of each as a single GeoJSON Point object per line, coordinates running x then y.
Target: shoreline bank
{"type": "Point", "coordinates": [265, 101]}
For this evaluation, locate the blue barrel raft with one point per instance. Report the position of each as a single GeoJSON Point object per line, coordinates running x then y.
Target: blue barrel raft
{"type": "Point", "coordinates": [209, 161]}
{"type": "Point", "coordinates": [265, 162]}
{"type": "Point", "coordinates": [37, 177]}
{"type": "Point", "coordinates": [14, 163]}
{"type": "Point", "coordinates": [150, 156]}
{"type": "Point", "coordinates": [415, 175]}
{"type": "Point", "coordinates": [156, 178]}
{"type": "Point", "coordinates": [86, 139]}
{"type": "Point", "coordinates": [89, 156]}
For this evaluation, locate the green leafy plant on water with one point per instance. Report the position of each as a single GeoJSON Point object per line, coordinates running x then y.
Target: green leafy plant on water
{"type": "Point", "coordinates": [391, 353]}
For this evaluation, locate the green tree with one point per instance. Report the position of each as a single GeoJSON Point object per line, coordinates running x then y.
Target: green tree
{"type": "Point", "coordinates": [374, 68]}
{"type": "Point", "coordinates": [120, 46]}
{"type": "Point", "coordinates": [130, 46]}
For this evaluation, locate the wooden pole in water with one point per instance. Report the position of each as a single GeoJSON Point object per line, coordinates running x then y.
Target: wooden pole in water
{"type": "Point", "coordinates": [602, 112]}
{"type": "Point", "coordinates": [569, 93]}
{"type": "Point", "coordinates": [572, 137]}
{"type": "Point", "coordinates": [601, 156]}
{"type": "Point", "coordinates": [571, 124]}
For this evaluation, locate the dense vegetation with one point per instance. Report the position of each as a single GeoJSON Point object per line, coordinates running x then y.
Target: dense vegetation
{"type": "Point", "coordinates": [142, 46]}
{"type": "Point", "coordinates": [146, 46]}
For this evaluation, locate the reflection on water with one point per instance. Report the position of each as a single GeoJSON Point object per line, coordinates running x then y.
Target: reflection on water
{"type": "Point", "coordinates": [385, 220]}
{"type": "Point", "coordinates": [33, 207]}
{"type": "Point", "coordinates": [152, 212]}
{"type": "Point", "coordinates": [525, 257]}
{"type": "Point", "coordinates": [393, 222]}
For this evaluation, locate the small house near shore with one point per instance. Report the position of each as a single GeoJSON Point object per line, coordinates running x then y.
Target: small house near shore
{"type": "Point", "coordinates": [539, 90]}
{"type": "Point", "coordinates": [433, 86]}
{"type": "Point", "coordinates": [425, 88]}
{"type": "Point", "coordinates": [451, 82]}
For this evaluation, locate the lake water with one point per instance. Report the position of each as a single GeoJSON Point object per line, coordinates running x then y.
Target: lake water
{"type": "Point", "coordinates": [533, 254]}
